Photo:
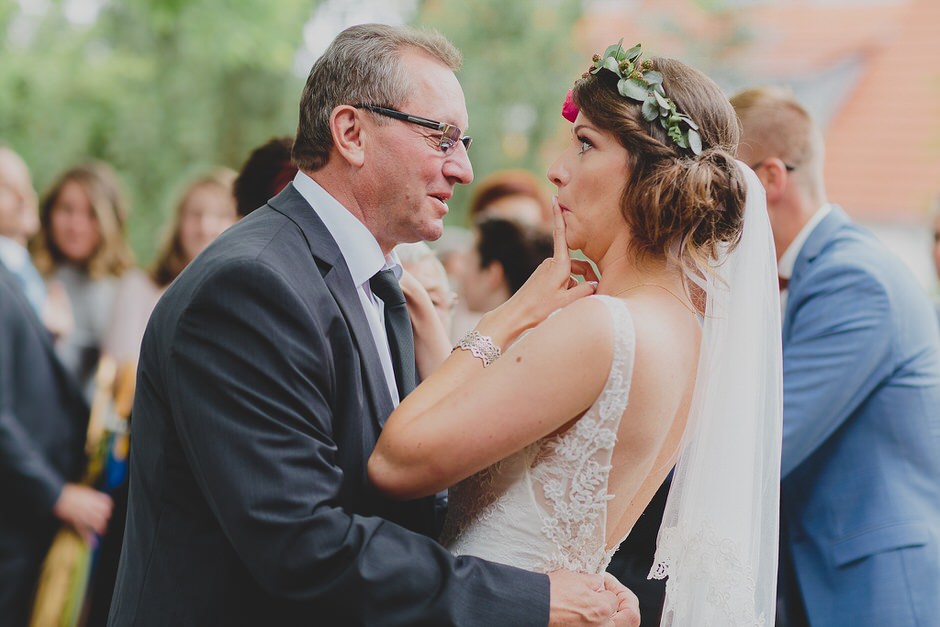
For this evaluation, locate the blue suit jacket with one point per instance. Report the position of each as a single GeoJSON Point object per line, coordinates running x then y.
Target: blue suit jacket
{"type": "Point", "coordinates": [861, 433]}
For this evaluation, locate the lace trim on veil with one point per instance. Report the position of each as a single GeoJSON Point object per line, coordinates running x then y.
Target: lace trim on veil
{"type": "Point", "coordinates": [704, 556]}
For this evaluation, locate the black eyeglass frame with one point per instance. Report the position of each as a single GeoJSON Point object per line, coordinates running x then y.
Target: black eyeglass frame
{"type": "Point", "coordinates": [787, 166]}
{"type": "Point", "coordinates": [449, 132]}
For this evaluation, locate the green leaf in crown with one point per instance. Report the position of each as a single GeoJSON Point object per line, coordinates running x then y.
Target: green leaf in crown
{"type": "Point", "coordinates": [640, 82]}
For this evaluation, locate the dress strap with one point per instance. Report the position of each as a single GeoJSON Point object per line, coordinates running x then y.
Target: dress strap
{"type": "Point", "coordinates": [621, 367]}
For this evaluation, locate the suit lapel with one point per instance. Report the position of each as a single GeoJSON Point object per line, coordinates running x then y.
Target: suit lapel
{"type": "Point", "coordinates": [66, 378]}
{"type": "Point", "coordinates": [338, 280]}
{"type": "Point", "coordinates": [812, 248]}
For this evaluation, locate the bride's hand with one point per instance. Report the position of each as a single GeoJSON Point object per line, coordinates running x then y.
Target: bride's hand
{"type": "Point", "coordinates": [550, 288]}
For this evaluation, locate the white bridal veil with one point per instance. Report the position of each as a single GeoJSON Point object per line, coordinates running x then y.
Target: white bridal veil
{"type": "Point", "coordinates": [718, 540]}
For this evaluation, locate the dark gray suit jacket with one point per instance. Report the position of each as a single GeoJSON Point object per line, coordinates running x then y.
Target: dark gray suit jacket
{"type": "Point", "coordinates": [260, 396]}
{"type": "Point", "coordinates": [42, 433]}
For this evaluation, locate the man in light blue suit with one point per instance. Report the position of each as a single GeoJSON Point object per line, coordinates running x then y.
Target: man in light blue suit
{"type": "Point", "coordinates": [860, 528]}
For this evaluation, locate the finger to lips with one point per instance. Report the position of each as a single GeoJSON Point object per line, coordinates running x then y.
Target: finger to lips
{"type": "Point", "coordinates": [558, 233]}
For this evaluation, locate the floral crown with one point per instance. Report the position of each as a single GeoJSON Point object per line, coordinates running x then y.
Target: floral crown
{"type": "Point", "coordinates": [640, 82]}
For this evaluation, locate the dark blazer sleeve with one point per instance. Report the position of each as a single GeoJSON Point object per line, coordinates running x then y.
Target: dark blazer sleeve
{"type": "Point", "coordinates": [250, 379]}
{"type": "Point", "coordinates": [26, 476]}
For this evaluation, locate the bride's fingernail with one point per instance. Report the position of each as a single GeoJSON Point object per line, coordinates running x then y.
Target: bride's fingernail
{"type": "Point", "coordinates": [594, 284]}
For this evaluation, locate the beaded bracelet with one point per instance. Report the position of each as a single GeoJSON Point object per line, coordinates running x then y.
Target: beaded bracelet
{"type": "Point", "coordinates": [481, 346]}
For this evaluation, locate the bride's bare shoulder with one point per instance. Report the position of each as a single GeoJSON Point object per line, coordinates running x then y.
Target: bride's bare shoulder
{"type": "Point", "coordinates": [581, 331]}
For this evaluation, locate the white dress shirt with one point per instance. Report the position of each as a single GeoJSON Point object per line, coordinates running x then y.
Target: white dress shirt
{"type": "Point", "coordinates": [363, 256]}
{"type": "Point", "coordinates": [789, 256]}
{"type": "Point", "coordinates": [16, 258]}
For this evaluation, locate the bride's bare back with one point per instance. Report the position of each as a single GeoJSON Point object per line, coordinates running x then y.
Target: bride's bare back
{"type": "Point", "coordinates": [668, 338]}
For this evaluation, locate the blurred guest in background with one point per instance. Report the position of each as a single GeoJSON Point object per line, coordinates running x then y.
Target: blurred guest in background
{"type": "Point", "coordinates": [505, 253]}
{"type": "Point", "coordinates": [18, 222]}
{"type": "Point", "coordinates": [81, 245]}
{"type": "Point", "coordinates": [42, 416]}
{"type": "Point", "coordinates": [419, 260]}
{"type": "Point", "coordinates": [860, 469]}
{"type": "Point", "coordinates": [266, 172]}
{"type": "Point", "coordinates": [513, 195]}
{"type": "Point", "coordinates": [451, 249]}
{"type": "Point", "coordinates": [205, 209]}
{"type": "Point", "coordinates": [432, 337]}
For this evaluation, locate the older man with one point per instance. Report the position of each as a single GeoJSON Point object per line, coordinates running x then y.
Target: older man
{"type": "Point", "coordinates": [267, 372]}
{"type": "Point", "coordinates": [861, 374]}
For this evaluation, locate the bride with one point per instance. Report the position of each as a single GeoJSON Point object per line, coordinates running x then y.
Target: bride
{"type": "Point", "coordinates": [553, 449]}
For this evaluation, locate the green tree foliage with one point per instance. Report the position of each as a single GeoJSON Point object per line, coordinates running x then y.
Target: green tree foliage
{"type": "Point", "coordinates": [161, 89]}
{"type": "Point", "coordinates": [164, 89]}
{"type": "Point", "coordinates": [519, 61]}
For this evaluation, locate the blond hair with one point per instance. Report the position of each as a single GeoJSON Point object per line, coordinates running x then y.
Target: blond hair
{"type": "Point", "coordinates": [172, 258]}
{"type": "Point", "coordinates": [776, 125]}
{"type": "Point", "coordinates": [113, 255]}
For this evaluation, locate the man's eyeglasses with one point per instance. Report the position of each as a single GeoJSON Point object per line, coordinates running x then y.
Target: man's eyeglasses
{"type": "Point", "coordinates": [450, 134]}
{"type": "Point", "coordinates": [786, 165]}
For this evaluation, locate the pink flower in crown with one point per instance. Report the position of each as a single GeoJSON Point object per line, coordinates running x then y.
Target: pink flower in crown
{"type": "Point", "coordinates": [569, 110]}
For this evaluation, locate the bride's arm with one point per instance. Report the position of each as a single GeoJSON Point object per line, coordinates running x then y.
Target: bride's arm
{"type": "Point", "coordinates": [466, 417]}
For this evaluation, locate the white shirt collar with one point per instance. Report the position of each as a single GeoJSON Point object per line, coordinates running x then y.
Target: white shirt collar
{"type": "Point", "coordinates": [359, 248]}
{"type": "Point", "coordinates": [788, 258]}
{"type": "Point", "coordinates": [13, 254]}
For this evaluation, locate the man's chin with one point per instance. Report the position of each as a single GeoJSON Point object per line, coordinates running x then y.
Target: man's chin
{"type": "Point", "coordinates": [433, 231]}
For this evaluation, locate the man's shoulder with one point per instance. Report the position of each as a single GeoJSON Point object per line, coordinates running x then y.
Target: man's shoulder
{"type": "Point", "coordinates": [854, 250]}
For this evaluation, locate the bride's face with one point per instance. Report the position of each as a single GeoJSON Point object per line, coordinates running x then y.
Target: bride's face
{"type": "Point", "coordinates": [590, 176]}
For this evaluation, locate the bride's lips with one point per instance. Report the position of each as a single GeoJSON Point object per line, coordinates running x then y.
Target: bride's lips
{"type": "Point", "coordinates": [563, 208]}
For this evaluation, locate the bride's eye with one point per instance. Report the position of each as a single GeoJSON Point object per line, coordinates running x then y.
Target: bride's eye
{"type": "Point", "coordinates": [585, 145]}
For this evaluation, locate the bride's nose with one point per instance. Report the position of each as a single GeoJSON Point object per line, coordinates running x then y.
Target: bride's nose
{"type": "Point", "coordinates": [557, 173]}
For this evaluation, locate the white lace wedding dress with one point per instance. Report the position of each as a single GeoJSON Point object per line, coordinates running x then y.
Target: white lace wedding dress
{"type": "Point", "coordinates": [545, 507]}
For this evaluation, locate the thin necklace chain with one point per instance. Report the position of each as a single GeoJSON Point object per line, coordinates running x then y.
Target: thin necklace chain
{"type": "Point", "coordinates": [666, 289]}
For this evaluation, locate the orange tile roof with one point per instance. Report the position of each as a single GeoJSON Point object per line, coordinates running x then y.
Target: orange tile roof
{"type": "Point", "coordinates": [883, 137]}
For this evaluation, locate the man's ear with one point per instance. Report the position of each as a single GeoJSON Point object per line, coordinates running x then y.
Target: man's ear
{"type": "Point", "coordinates": [348, 134]}
{"type": "Point", "coordinates": [774, 176]}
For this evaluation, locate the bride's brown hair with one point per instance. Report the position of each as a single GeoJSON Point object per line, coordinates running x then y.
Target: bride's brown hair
{"type": "Point", "coordinates": [679, 206]}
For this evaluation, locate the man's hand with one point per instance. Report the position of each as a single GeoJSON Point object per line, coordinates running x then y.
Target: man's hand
{"type": "Point", "coordinates": [85, 509]}
{"type": "Point", "coordinates": [580, 599]}
{"type": "Point", "coordinates": [628, 606]}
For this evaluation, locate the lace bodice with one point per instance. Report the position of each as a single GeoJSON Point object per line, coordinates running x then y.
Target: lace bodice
{"type": "Point", "coordinates": [545, 507]}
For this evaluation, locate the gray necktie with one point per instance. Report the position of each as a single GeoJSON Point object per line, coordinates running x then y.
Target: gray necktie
{"type": "Point", "coordinates": [398, 328]}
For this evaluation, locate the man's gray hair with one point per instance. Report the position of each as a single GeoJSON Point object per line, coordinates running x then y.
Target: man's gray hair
{"type": "Point", "coordinates": [361, 66]}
